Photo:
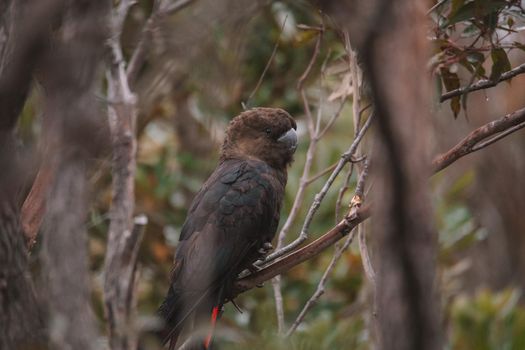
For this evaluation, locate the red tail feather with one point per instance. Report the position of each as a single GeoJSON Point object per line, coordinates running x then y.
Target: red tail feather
{"type": "Point", "coordinates": [214, 315]}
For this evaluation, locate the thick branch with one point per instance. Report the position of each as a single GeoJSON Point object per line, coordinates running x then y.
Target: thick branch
{"type": "Point", "coordinates": [474, 141]}
{"type": "Point", "coordinates": [483, 84]}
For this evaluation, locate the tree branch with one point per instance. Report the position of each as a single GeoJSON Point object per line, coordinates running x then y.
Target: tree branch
{"type": "Point", "coordinates": [305, 253]}
{"type": "Point", "coordinates": [480, 138]}
{"type": "Point", "coordinates": [124, 236]}
{"type": "Point", "coordinates": [355, 205]}
{"type": "Point", "coordinates": [161, 9]}
{"type": "Point", "coordinates": [346, 157]}
{"type": "Point", "coordinates": [483, 84]}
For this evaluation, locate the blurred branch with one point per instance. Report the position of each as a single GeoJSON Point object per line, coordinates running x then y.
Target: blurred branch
{"type": "Point", "coordinates": [358, 197]}
{"type": "Point", "coordinates": [483, 84]}
{"type": "Point", "coordinates": [268, 64]}
{"type": "Point", "coordinates": [407, 307]}
{"type": "Point", "coordinates": [438, 4]}
{"type": "Point", "coordinates": [480, 138]}
{"type": "Point", "coordinates": [161, 9]}
{"type": "Point", "coordinates": [303, 182]}
{"type": "Point", "coordinates": [124, 235]}
{"type": "Point", "coordinates": [31, 43]}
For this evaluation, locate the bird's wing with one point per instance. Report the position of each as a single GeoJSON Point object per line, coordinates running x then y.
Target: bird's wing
{"type": "Point", "coordinates": [236, 211]}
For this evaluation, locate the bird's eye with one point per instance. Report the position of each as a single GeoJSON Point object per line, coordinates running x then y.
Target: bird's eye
{"type": "Point", "coordinates": [268, 131]}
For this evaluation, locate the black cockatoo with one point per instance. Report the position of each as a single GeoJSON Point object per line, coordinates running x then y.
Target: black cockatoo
{"type": "Point", "coordinates": [230, 223]}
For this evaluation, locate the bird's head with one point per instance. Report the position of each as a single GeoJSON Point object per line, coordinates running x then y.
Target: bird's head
{"type": "Point", "coordinates": [267, 134]}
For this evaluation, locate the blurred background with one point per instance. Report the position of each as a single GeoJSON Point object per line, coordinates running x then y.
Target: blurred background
{"type": "Point", "coordinates": [203, 64]}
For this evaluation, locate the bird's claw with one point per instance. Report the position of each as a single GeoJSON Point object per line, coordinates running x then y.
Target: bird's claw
{"type": "Point", "coordinates": [253, 268]}
{"type": "Point", "coordinates": [266, 248]}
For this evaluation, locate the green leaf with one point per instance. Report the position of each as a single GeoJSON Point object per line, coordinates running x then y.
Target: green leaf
{"type": "Point", "coordinates": [456, 5]}
{"type": "Point", "coordinates": [500, 63]}
{"type": "Point", "coordinates": [470, 31]}
{"type": "Point", "coordinates": [451, 82]}
{"type": "Point", "coordinates": [474, 9]}
{"type": "Point", "coordinates": [475, 57]}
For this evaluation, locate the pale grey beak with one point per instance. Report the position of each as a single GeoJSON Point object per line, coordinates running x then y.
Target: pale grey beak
{"type": "Point", "coordinates": [290, 139]}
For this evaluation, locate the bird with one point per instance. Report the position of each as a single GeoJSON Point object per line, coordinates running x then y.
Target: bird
{"type": "Point", "coordinates": [230, 224]}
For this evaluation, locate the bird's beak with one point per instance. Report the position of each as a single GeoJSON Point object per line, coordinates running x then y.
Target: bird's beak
{"type": "Point", "coordinates": [290, 139]}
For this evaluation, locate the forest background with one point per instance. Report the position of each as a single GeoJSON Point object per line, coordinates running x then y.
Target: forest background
{"type": "Point", "coordinates": [183, 69]}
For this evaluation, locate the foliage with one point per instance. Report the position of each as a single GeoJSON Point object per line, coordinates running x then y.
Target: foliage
{"type": "Point", "coordinates": [469, 36]}
{"type": "Point", "coordinates": [473, 35]}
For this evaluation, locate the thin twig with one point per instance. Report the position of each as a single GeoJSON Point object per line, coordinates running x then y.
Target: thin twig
{"type": "Point", "coordinates": [321, 173]}
{"type": "Point", "coordinates": [359, 194]}
{"type": "Point", "coordinates": [309, 154]}
{"type": "Point", "coordinates": [161, 9]}
{"type": "Point", "coordinates": [312, 130]}
{"type": "Point", "coordinates": [345, 158]}
{"type": "Point", "coordinates": [483, 84]}
{"type": "Point", "coordinates": [124, 234]}
{"type": "Point", "coordinates": [322, 283]}
{"type": "Point", "coordinates": [268, 64]}
{"type": "Point", "coordinates": [279, 308]}
{"type": "Point", "coordinates": [505, 125]}
{"type": "Point", "coordinates": [365, 258]}
{"type": "Point", "coordinates": [490, 141]}
{"type": "Point", "coordinates": [342, 191]}
{"type": "Point", "coordinates": [438, 4]}
{"type": "Point", "coordinates": [356, 204]}
{"type": "Point", "coordinates": [332, 120]}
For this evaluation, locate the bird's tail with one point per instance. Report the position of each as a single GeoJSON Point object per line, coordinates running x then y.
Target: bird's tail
{"type": "Point", "coordinates": [181, 316]}
{"type": "Point", "coordinates": [214, 316]}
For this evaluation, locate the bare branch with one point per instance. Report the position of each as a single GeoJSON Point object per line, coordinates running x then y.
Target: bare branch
{"type": "Point", "coordinates": [305, 253]}
{"type": "Point", "coordinates": [279, 309]}
{"type": "Point", "coordinates": [321, 174]}
{"type": "Point", "coordinates": [356, 204]}
{"type": "Point", "coordinates": [342, 191]}
{"type": "Point", "coordinates": [480, 138]}
{"type": "Point", "coordinates": [268, 64]}
{"type": "Point", "coordinates": [312, 131]}
{"type": "Point", "coordinates": [161, 9]}
{"type": "Point", "coordinates": [124, 235]}
{"type": "Point", "coordinates": [367, 264]}
{"type": "Point", "coordinates": [322, 283]}
{"type": "Point", "coordinates": [483, 84]}
{"type": "Point", "coordinates": [345, 158]}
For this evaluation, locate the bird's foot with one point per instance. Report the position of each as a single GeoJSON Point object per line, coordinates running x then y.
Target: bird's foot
{"type": "Point", "coordinates": [253, 268]}
{"type": "Point", "coordinates": [266, 248]}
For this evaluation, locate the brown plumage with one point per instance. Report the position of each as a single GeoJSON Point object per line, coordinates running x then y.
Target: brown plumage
{"type": "Point", "coordinates": [230, 223]}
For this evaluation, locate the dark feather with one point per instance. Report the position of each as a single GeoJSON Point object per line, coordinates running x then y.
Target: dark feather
{"type": "Point", "coordinates": [233, 215]}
